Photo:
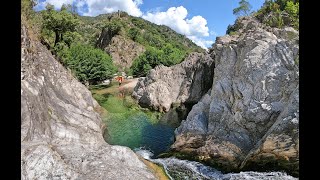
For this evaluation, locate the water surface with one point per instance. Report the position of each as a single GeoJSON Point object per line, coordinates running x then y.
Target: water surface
{"type": "Point", "coordinates": [135, 127]}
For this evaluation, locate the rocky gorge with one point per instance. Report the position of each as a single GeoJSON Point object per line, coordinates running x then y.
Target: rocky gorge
{"type": "Point", "coordinates": [231, 112]}
{"type": "Point", "coordinates": [246, 90]}
{"type": "Point", "coordinates": [61, 130]}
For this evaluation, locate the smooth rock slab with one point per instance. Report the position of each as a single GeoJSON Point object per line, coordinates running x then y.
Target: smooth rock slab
{"type": "Point", "coordinates": [61, 132]}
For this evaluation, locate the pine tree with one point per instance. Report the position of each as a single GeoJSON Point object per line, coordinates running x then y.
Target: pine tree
{"type": "Point", "coordinates": [243, 10]}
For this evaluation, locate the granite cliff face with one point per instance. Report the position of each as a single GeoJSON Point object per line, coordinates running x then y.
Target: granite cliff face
{"type": "Point", "coordinates": [61, 132]}
{"type": "Point", "coordinates": [123, 50]}
{"type": "Point", "coordinates": [182, 83]}
{"type": "Point", "coordinates": [249, 119]}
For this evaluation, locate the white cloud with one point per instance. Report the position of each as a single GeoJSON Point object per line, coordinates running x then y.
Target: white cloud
{"type": "Point", "coordinates": [175, 17]}
{"type": "Point", "coordinates": [201, 42]}
{"type": "Point", "coordinates": [96, 7]}
{"type": "Point", "coordinates": [198, 26]}
{"type": "Point", "coordinates": [213, 33]}
{"type": "Point", "coordinates": [80, 3]}
{"type": "Point", "coordinates": [57, 3]}
{"type": "Point", "coordinates": [138, 2]}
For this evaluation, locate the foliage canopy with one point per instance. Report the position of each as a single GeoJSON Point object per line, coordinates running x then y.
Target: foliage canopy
{"type": "Point", "coordinates": [89, 65]}
{"type": "Point", "coordinates": [280, 13]}
{"type": "Point", "coordinates": [244, 8]}
{"type": "Point", "coordinates": [59, 22]}
{"type": "Point", "coordinates": [167, 56]}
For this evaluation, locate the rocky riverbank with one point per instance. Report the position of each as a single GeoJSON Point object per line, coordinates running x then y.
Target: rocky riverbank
{"type": "Point", "coordinates": [61, 132]}
{"type": "Point", "coordinates": [249, 119]}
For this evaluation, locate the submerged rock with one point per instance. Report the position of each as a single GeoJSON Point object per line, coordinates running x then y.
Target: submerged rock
{"type": "Point", "coordinates": [249, 119]}
{"type": "Point", "coordinates": [61, 132]}
{"type": "Point", "coordinates": [182, 83]}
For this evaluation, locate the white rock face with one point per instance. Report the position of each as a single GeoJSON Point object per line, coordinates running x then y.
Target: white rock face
{"type": "Point", "coordinates": [61, 133]}
{"type": "Point", "coordinates": [255, 86]}
{"type": "Point", "coordinates": [182, 83]}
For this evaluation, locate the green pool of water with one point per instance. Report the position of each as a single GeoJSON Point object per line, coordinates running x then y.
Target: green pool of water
{"type": "Point", "coordinates": [135, 127]}
{"type": "Point", "coordinates": [136, 130]}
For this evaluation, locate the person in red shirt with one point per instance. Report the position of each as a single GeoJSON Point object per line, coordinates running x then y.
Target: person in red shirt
{"type": "Point", "coordinates": [120, 79]}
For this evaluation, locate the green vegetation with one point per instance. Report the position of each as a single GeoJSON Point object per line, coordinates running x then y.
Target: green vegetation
{"type": "Point", "coordinates": [134, 33]}
{"type": "Point", "coordinates": [124, 107]}
{"type": "Point", "coordinates": [232, 29]}
{"type": "Point", "coordinates": [121, 107]}
{"type": "Point", "coordinates": [63, 31]}
{"type": "Point", "coordinates": [113, 26]}
{"type": "Point", "coordinates": [89, 65]}
{"type": "Point", "coordinates": [232, 33]}
{"type": "Point", "coordinates": [59, 22]}
{"type": "Point", "coordinates": [244, 8]}
{"type": "Point", "coordinates": [26, 7]}
{"type": "Point", "coordinates": [279, 13]}
{"type": "Point", "coordinates": [152, 57]}
{"type": "Point", "coordinates": [274, 13]}
{"type": "Point", "coordinates": [59, 32]}
{"type": "Point", "coordinates": [163, 45]}
{"type": "Point", "coordinates": [137, 29]}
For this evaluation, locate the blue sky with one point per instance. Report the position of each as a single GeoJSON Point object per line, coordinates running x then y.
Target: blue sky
{"type": "Point", "coordinates": [218, 13]}
{"type": "Point", "coordinates": [200, 20]}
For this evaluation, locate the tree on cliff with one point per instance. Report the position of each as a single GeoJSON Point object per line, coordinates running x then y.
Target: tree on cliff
{"type": "Point", "coordinates": [59, 22]}
{"type": "Point", "coordinates": [244, 9]}
{"type": "Point", "coordinates": [279, 13]}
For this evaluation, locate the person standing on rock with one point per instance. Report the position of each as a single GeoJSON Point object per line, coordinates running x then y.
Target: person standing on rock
{"type": "Point", "coordinates": [119, 79]}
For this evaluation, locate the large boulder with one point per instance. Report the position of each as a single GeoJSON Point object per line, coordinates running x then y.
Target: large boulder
{"type": "Point", "coordinates": [249, 119]}
{"type": "Point", "coordinates": [182, 83]}
{"type": "Point", "coordinates": [61, 132]}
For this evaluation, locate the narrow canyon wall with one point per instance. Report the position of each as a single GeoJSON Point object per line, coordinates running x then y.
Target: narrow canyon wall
{"type": "Point", "coordinates": [61, 132]}
{"type": "Point", "coordinates": [250, 117]}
